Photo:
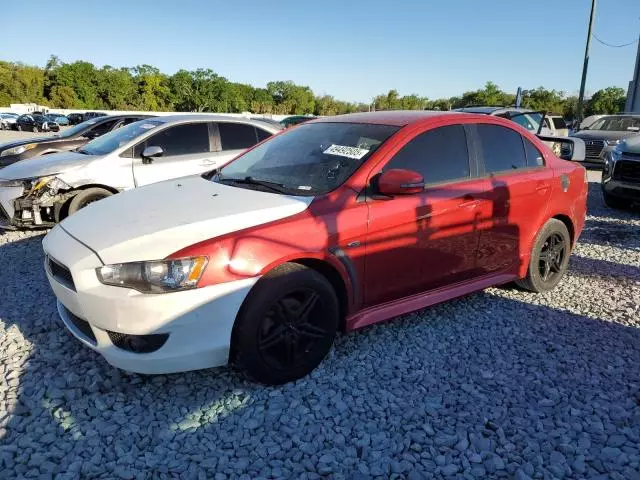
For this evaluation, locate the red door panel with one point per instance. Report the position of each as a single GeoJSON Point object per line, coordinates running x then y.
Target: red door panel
{"type": "Point", "coordinates": [421, 242]}
{"type": "Point", "coordinates": [516, 207]}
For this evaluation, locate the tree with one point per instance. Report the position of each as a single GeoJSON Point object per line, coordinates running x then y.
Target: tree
{"type": "Point", "coordinates": [490, 95]}
{"type": "Point", "coordinates": [550, 101]}
{"type": "Point", "coordinates": [607, 101]}
{"type": "Point", "coordinates": [291, 98]}
{"type": "Point", "coordinates": [63, 97]}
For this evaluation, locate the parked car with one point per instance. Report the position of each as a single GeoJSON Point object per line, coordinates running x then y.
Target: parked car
{"type": "Point", "coordinates": [529, 119]}
{"type": "Point", "coordinates": [70, 139]}
{"type": "Point", "coordinates": [90, 115]}
{"type": "Point", "coordinates": [75, 118]}
{"type": "Point", "coordinates": [8, 121]}
{"type": "Point", "coordinates": [60, 119]}
{"type": "Point", "coordinates": [36, 123]}
{"type": "Point", "coordinates": [44, 190]}
{"type": "Point", "coordinates": [295, 120]}
{"type": "Point", "coordinates": [336, 224]}
{"type": "Point", "coordinates": [606, 133]}
{"type": "Point", "coordinates": [621, 174]}
{"type": "Point", "coordinates": [557, 124]}
{"type": "Point", "coordinates": [587, 122]}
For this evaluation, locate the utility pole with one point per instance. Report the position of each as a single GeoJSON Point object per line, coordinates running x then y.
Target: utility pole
{"type": "Point", "coordinates": [586, 63]}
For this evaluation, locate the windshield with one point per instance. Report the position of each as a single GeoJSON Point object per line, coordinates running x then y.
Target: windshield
{"type": "Point", "coordinates": [311, 159]}
{"type": "Point", "coordinates": [530, 121]}
{"type": "Point", "coordinates": [70, 132]}
{"type": "Point", "coordinates": [108, 142]}
{"type": "Point", "coordinates": [616, 124]}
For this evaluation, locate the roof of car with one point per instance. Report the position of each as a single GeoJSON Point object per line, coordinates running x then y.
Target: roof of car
{"type": "Point", "coordinates": [479, 109]}
{"type": "Point", "coordinates": [397, 118]}
{"type": "Point", "coordinates": [211, 118]}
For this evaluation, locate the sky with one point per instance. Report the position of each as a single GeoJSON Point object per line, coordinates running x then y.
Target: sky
{"type": "Point", "coordinates": [351, 49]}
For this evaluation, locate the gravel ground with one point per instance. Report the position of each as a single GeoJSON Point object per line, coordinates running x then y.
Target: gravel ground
{"type": "Point", "coordinates": [501, 383]}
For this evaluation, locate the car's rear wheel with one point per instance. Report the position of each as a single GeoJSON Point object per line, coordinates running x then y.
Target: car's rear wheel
{"type": "Point", "coordinates": [85, 197]}
{"type": "Point", "coordinates": [286, 325]}
{"type": "Point", "coordinates": [549, 258]}
{"type": "Point", "coordinates": [615, 202]}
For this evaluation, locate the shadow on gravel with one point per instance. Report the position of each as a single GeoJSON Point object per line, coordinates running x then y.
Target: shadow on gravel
{"type": "Point", "coordinates": [603, 268]}
{"type": "Point", "coordinates": [436, 391]}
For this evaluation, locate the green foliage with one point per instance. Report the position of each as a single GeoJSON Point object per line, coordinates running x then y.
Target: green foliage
{"type": "Point", "coordinates": [606, 101]}
{"type": "Point", "coordinates": [82, 85]}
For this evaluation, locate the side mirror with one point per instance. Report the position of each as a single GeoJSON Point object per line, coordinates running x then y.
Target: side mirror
{"type": "Point", "coordinates": [571, 148]}
{"type": "Point", "coordinates": [400, 182]}
{"type": "Point", "coordinates": [149, 153]}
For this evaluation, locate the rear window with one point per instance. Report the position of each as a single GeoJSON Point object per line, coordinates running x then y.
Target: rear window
{"type": "Point", "coordinates": [502, 148]}
{"type": "Point", "coordinates": [559, 123]}
{"type": "Point", "coordinates": [237, 136]}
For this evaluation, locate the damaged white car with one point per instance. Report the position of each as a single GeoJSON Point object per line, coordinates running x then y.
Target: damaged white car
{"type": "Point", "coordinates": [43, 191]}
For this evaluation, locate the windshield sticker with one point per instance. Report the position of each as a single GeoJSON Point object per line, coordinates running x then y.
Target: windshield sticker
{"type": "Point", "coordinates": [147, 126]}
{"type": "Point", "coordinates": [304, 187]}
{"type": "Point", "coordinates": [345, 151]}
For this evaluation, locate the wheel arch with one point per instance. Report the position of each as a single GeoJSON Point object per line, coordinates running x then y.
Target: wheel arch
{"type": "Point", "coordinates": [569, 224]}
{"type": "Point", "coordinates": [63, 207]}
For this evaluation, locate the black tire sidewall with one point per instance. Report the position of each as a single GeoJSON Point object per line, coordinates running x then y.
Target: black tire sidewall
{"type": "Point", "coordinates": [551, 227]}
{"type": "Point", "coordinates": [84, 196]}
{"type": "Point", "coordinates": [273, 286]}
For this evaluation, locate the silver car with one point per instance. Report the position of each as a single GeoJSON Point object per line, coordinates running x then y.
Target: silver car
{"type": "Point", "coordinates": [44, 190]}
{"type": "Point", "coordinates": [8, 121]}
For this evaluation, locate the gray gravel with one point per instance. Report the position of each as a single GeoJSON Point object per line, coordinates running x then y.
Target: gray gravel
{"type": "Point", "coordinates": [501, 383]}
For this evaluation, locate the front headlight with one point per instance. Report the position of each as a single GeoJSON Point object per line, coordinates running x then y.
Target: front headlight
{"type": "Point", "coordinates": [612, 142]}
{"type": "Point", "coordinates": [157, 276]}
{"type": "Point", "coordinates": [18, 150]}
{"type": "Point", "coordinates": [11, 183]}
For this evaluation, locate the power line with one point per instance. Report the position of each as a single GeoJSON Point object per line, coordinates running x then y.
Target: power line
{"type": "Point", "coordinates": [613, 46]}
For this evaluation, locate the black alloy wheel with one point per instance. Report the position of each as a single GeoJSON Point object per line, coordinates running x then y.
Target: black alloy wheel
{"type": "Point", "coordinates": [286, 325]}
{"type": "Point", "coordinates": [551, 257]}
{"type": "Point", "coordinates": [291, 329]}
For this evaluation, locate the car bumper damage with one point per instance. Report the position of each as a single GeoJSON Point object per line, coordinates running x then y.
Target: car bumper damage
{"type": "Point", "coordinates": [137, 332]}
{"type": "Point", "coordinates": [33, 203]}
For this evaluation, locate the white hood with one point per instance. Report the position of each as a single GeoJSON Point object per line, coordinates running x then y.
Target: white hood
{"type": "Point", "coordinates": [152, 222]}
{"type": "Point", "coordinates": [51, 164]}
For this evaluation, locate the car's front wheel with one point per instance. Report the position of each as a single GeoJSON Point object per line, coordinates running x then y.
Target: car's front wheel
{"type": "Point", "coordinates": [286, 325]}
{"type": "Point", "coordinates": [615, 202]}
{"type": "Point", "coordinates": [549, 258]}
{"type": "Point", "coordinates": [85, 197]}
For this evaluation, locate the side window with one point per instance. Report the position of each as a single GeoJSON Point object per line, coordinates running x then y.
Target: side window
{"type": "Point", "coordinates": [262, 134]}
{"type": "Point", "coordinates": [236, 136]}
{"type": "Point", "coordinates": [439, 155]}
{"type": "Point", "coordinates": [179, 140]}
{"type": "Point", "coordinates": [101, 129]}
{"type": "Point", "coordinates": [534, 156]}
{"type": "Point", "coordinates": [559, 123]}
{"type": "Point", "coordinates": [501, 147]}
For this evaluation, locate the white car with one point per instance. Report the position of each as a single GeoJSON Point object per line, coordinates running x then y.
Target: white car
{"type": "Point", "coordinates": [41, 191]}
{"type": "Point", "coordinates": [8, 121]}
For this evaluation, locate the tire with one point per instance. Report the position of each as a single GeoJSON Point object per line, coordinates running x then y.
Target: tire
{"type": "Point", "coordinates": [615, 202]}
{"type": "Point", "coordinates": [543, 276]}
{"type": "Point", "coordinates": [34, 129]}
{"type": "Point", "coordinates": [85, 197]}
{"type": "Point", "coordinates": [272, 341]}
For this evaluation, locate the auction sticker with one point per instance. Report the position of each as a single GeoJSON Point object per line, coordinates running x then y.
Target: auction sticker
{"type": "Point", "coordinates": [345, 151]}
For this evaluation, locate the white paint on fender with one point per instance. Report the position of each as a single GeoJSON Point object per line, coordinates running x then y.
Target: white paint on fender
{"type": "Point", "coordinates": [152, 222]}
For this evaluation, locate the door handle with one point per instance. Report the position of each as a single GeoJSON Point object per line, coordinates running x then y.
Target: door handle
{"type": "Point", "coordinates": [468, 201]}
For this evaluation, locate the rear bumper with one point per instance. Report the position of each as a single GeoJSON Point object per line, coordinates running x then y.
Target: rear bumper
{"type": "Point", "coordinates": [197, 323]}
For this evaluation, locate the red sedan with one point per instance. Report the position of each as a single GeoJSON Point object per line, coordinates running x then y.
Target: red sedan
{"type": "Point", "coordinates": [333, 225]}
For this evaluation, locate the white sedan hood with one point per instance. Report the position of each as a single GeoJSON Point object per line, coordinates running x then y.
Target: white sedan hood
{"type": "Point", "coordinates": [51, 164]}
{"type": "Point", "coordinates": [152, 222]}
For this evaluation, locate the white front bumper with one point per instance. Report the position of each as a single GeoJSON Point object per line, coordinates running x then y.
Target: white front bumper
{"type": "Point", "coordinates": [7, 196]}
{"type": "Point", "coordinates": [198, 322]}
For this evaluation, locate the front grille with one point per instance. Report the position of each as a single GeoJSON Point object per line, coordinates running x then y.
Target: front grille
{"type": "Point", "coordinates": [593, 149]}
{"type": "Point", "coordinates": [627, 171]}
{"type": "Point", "coordinates": [81, 325]}
{"type": "Point", "coordinates": [60, 273]}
